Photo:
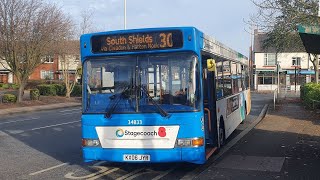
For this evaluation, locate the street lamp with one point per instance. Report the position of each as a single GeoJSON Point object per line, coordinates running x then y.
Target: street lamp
{"type": "Point", "coordinates": [125, 14]}
{"type": "Point", "coordinates": [278, 75]}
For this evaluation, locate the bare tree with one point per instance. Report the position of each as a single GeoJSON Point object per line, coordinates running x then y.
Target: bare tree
{"type": "Point", "coordinates": [86, 24]}
{"type": "Point", "coordinates": [28, 31]}
{"type": "Point", "coordinates": [69, 64]}
{"type": "Point", "coordinates": [280, 18]}
{"type": "Point", "coordinates": [69, 49]}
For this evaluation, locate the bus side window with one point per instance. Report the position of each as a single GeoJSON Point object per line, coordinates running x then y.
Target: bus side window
{"type": "Point", "coordinates": [239, 75]}
{"type": "Point", "coordinates": [219, 87]}
{"type": "Point", "coordinates": [227, 85]}
{"type": "Point", "coordinates": [234, 77]}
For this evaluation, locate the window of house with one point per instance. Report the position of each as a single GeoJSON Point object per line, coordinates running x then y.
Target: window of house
{"type": "Point", "coordinates": [47, 59]}
{"type": "Point", "coordinates": [267, 78]}
{"type": "Point", "coordinates": [296, 61]}
{"type": "Point", "coordinates": [46, 74]}
{"type": "Point", "coordinates": [269, 59]}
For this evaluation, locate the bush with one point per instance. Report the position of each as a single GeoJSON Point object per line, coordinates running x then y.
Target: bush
{"type": "Point", "coordinates": [32, 84]}
{"type": "Point", "coordinates": [47, 90]}
{"type": "Point", "coordinates": [9, 98]}
{"type": "Point", "coordinates": [77, 91]}
{"type": "Point", "coordinates": [310, 92]}
{"type": "Point", "coordinates": [13, 86]}
{"type": "Point", "coordinates": [60, 89]}
{"type": "Point", "coordinates": [34, 94]}
{"type": "Point", "coordinates": [4, 86]}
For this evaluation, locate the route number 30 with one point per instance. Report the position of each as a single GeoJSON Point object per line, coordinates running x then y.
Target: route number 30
{"type": "Point", "coordinates": [166, 40]}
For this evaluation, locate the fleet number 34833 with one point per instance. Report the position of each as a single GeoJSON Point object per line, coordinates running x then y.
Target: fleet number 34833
{"type": "Point", "coordinates": [134, 122]}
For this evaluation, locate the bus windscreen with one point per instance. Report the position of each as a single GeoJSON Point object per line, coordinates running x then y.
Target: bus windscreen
{"type": "Point", "coordinates": [142, 41]}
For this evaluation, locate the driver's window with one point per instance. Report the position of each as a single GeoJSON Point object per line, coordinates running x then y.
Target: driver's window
{"type": "Point", "coordinates": [94, 81]}
{"type": "Point", "coordinates": [107, 81]}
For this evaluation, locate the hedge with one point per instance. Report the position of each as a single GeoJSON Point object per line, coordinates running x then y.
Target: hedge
{"type": "Point", "coordinates": [34, 94]}
{"type": "Point", "coordinates": [77, 91]}
{"type": "Point", "coordinates": [9, 86]}
{"type": "Point", "coordinates": [310, 92]}
{"type": "Point", "coordinates": [9, 98]}
{"type": "Point", "coordinates": [60, 89]}
{"type": "Point", "coordinates": [47, 89]}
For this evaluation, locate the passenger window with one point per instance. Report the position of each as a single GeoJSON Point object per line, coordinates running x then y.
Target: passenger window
{"type": "Point", "coordinates": [227, 85]}
{"type": "Point", "coordinates": [219, 86]}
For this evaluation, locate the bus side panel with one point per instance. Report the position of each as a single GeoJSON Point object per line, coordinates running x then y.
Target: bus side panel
{"type": "Point", "coordinates": [231, 109]}
{"type": "Point", "coordinates": [248, 100]}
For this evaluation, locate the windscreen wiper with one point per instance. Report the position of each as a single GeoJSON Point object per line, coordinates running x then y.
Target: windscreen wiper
{"type": "Point", "coordinates": [162, 112]}
{"type": "Point", "coordinates": [114, 105]}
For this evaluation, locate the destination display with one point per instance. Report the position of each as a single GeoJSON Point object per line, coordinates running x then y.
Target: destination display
{"type": "Point", "coordinates": [137, 41]}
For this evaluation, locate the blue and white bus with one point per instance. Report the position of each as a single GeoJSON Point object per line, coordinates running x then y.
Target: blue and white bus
{"type": "Point", "coordinates": [160, 95]}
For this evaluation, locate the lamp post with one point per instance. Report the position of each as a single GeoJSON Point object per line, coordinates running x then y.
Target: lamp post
{"type": "Point", "coordinates": [278, 76]}
{"type": "Point", "coordinates": [295, 79]}
{"type": "Point", "coordinates": [125, 14]}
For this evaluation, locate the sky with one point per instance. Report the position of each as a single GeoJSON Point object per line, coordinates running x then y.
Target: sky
{"type": "Point", "coordinates": [224, 20]}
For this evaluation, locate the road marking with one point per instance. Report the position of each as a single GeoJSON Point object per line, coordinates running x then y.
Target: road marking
{"type": "Point", "coordinates": [140, 174]}
{"type": "Point", "coordinates": [70, 113]}
{"type": "Point", "coordinates": [130, 174]}
{"type": "Point", "coordinates": [20, 120]}
{"type": "Point", "coordinates": [102, 169]}
{"type": "Point", "coordinates": [197, 171]}
{"type": "Point", "coordinates": [53, 125]}
{"type": "Point", "coordinates": [103, 174]}
{"type": "Point", "coordinates": [48, 169]}
{"type": "Point", "coordinates": [99, 163]}
{"type": "Point", "coordinates": [70, 110]}
{"type": "Point", "coordinates": [164, 174]}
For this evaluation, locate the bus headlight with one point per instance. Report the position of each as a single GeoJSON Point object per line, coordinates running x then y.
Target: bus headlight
{"type": "Point", "coordinates": [90, 142]}
{"type": "Point", "coordinates": [190, 142]}
{"type": "Point", "coordinates": [184, 142]}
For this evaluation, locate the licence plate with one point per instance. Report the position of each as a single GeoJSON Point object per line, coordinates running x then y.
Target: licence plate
{"type": "Point", "coordinates": [136, 157]}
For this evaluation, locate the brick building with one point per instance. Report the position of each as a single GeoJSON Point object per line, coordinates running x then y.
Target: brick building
{"type": "Point", "coordinates": [51, 67]}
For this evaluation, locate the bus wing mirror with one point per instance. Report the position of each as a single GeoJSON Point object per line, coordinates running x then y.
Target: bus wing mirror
{"type": "Point", "coordinates": [211, 65]}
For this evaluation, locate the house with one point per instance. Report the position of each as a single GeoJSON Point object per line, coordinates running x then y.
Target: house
{"type": "Point", "coordinates": [51, 68]}
{"type": "Point", "coordinates": [5, 75]}
{"type": "Point", "coordinates": [295, 68]}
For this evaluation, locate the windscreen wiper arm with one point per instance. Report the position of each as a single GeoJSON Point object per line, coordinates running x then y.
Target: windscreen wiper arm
{"type": "Point", "coordinates": [114, 105]}
{"type": "Point", "coordinates": [162, 112]}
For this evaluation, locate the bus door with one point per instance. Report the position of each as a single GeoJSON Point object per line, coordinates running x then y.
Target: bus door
{"type": "Point", "coordinates": [209, 94]}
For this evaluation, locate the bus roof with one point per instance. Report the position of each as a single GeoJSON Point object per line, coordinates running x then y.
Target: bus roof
{"type": "Point", "coordinates": [217, 48]}
{"type": "Point", "coordinates": [206, 43]}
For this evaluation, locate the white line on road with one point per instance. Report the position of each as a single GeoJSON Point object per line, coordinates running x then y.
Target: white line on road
{"type": "Point", "coordinates": [99, 163]}
{"type": "Point", "coordinates": [20, 120]}
{"type": "Point", "coordinates": [53, 125]}
{"type": "Point", "coordinates": [70, 110]}
{"type": "Point", "coordinates": [129, 174]}
{"type": "Point", "coordinates": [70, 113]}
{"type": "Point", "coordinates": [164, 174]}
{"type": "Point", "coordinates": [48, 169]}
{"type": "Point", "coordinates": [103, 174]}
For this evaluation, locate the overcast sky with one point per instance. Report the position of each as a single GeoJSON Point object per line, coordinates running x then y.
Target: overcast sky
{"type": "Point", "coordinates": [221, 19]}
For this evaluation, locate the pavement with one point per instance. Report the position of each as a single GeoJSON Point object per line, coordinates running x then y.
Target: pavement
{"type": "Point", "coordinates": [10, 111]}
{"type": "Point", "coordinates": [284, 145]}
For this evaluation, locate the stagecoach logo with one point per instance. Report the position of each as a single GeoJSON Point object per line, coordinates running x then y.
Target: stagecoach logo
{"type": "Point", "coordinates": [119, 133]}
{"type": "Point", "coordinates": [161, 132]}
